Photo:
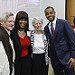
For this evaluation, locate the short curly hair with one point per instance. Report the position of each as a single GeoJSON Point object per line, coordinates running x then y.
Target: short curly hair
{"type": "Point", "coordinates": [37, 18]}
{"type": "Point", "coordinates": [6, 15]}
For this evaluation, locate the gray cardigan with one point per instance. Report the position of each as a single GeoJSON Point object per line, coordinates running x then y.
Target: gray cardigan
{"type": "Point", "coordinates": [45, 45]}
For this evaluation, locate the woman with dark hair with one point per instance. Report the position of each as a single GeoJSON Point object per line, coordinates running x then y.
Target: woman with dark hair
{"type": "Point", "coordinates": [22, 44]}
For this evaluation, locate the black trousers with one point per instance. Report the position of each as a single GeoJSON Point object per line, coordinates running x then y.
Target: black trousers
{"type": "Point", "coordinates": [23, 66]}
{"type": "Point", "coordinates": [60, 69]}
{"type": "Point", "coordinates": [39, 66]}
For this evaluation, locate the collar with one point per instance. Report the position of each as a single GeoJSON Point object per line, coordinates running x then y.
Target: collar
{"type": "Point", "coordinates": [7, 31]}
{"type": "Point", "coordinates": [54, 21]}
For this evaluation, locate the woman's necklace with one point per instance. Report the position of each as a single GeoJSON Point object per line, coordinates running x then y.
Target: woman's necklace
{"type": "Point", "coordinates": [21, 32]}
{"type": "Point", "coordinates": [38, 32]}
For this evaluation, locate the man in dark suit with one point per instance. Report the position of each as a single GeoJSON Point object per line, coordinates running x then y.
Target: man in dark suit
{"type": "Point", "coordinates": [61, 39]}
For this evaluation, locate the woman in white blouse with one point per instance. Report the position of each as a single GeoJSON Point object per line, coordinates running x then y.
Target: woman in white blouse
{"type": "Point", "coordinates": [39, 48]}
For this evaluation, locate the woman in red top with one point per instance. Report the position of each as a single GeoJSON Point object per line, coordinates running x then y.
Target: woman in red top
{"type": "Point", "coordinates": [22, 44]}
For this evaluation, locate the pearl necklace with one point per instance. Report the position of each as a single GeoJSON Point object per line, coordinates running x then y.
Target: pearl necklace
{"type": "Point", "coordinates": [21, 32]}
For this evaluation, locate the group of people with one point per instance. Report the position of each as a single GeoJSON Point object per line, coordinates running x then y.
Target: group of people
{"type": "Point", "coordinates": [30, 54]}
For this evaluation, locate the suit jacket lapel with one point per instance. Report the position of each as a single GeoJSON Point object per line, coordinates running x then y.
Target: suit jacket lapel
{"type": "Point", "coordinates": [48, 33]}
{"type": "Point", "coordinates": [56, 28]}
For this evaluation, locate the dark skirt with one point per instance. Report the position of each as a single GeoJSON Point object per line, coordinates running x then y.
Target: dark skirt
{"type": "Point", "coordinates": [23, 66]}
{"type": "Point", "coordinates": [39, 66]}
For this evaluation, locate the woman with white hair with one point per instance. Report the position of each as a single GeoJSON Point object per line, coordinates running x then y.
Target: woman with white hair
{"type": "Point", "coordinates": [6, 47]}
{"type": "Point", "coordinates": [39, 48]}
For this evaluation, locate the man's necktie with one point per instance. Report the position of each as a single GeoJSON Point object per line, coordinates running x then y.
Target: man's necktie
{"type": "Point", "coordinates": [52, 30]}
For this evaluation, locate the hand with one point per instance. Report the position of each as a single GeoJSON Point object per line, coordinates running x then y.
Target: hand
{"type": "Point", "coordinates": [71, 62]}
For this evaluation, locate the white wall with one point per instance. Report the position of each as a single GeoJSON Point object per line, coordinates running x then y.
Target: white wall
{"type": "Point", "coordinates": [35, 8]}
{"type": "Point", "coordinates": [59, 6]}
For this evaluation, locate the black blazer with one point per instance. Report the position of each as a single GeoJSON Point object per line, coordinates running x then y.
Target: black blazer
{"type": "Point", "coordinates": [17, 44]}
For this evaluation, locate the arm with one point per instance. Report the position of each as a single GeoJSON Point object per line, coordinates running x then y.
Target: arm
{"type": "Point", "coordinates": [71, 40]}
{"type": "Point", "coordinates": [2, 57]}
{"type": "Point", "coordinates": [11, 42]}
{"type": "Point", "coordinates": [48, 41]}
{"type": "Point", "coordinates": [45, 33]}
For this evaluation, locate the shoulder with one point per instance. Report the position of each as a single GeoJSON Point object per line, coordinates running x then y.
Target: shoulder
{"type": "Point", "coordinates": [13, 33]}
{"type": "Point", "coordinates": [62, 21]}
{"type": "Point", "coordinates": [46, 26]}
{"type": "Point", "coordinates": [30, 33]}
{"type": "Point", "coordinates": [2, 31]}
{"type": "Point", "coordinates": [65, 23]}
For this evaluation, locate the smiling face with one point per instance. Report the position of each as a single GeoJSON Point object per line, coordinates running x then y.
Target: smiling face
{"type": "Point", "coordinates": [50, 14]}
{"type": "Point", "coordinates": [22, 23]}
{"type": "Point", "coordinates": [37, 25]}
{"type": "Point", "coordinates": [9, 23]}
